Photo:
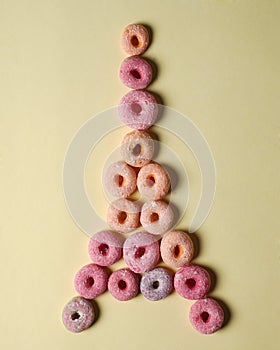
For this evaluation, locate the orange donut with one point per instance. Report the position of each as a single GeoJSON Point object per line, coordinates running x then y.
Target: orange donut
{"type": "Point", "coordinates": [135, 39]}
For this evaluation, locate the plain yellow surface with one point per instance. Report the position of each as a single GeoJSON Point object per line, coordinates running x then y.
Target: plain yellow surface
{"type": "Point", "coordinates": [218, 63]}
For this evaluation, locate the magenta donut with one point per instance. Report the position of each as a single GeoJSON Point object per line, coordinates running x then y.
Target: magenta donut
{"type": "Point", "coordinates": [141, 252]}
{"type": "Point", "coordinates": [105, 248]}
{"type": "Point", "coordinates": [123, 284]}
{"type": "Point", "coordinates": [123, 215]}
{"type": "Point", "coordinates": [138, 109]}
{"type": "Point", "coordinates": [192, 282]}
{"type": "Point", "coordinates": [78, 314]}
{"type": "Point", "coordinates": [135, 39]}
{"type": "Point", "coordinates": [91, 281]}
{"type": "Point", "coordinates": [135, 72]}
{"type": "Point", "coordinates": [206, 316]}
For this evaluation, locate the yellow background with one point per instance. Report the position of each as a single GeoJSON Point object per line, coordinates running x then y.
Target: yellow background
{"type": "Point", "coordinates": [218, 63]}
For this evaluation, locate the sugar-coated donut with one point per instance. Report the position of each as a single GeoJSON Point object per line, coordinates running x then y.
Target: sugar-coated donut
{"type": "Point", "coordinates": [123, 215]}
{"type": "Point", "coordinates": [156, 284]}
{"type": "Point", "coordinates": [176, 248]}
{"type": "Point", "coordinates": [123, 284]}
{"type": "Point", "coordinates": [78, 314]}
{"type": "Point", "coordinates": [91, 281]}
{"type": "Point", "coordinates": [206, 316]}
{"type": "Point", "coordinates": [141, 252]}
{"type": "Point", "coordinates": [138, 109]}
{"type": "Point", "coordinates": [135, 39]}
{"type": "Point", "coordinates": [120, 180]}
{"type": "Point", "coordinates": [156, 217]}
{"type": "Point", "coordinates": [192, 282]}
{"type": "Point", "coordinates": [153, 181]}
{"type": "Point", "coordinates": [137, 148]}
{"type": "Point", "coordinates": [136, 72]}
{"type": "Point", "coordinates": [105, 248]}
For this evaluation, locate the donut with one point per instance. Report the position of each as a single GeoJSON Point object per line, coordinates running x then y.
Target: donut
{"type": "Point", "coordinates": [123, 284]}
{"type": "Point", "coordinates": [137, 148]}
{"type": "Point", "coordinates": [156, 217]}
{"type": "Point", "coordinates": [135, 39]}
{"type": "Point", "coordinates": [138, 109]}
{"type": "Point", "coordinates": [120, 180]}
{"type": "Point", "coordinates": [153, 181]}
{"type": "Point", "coordinates": [123, 215]}
{"type": "Point", "coordinates": [105, 248]}
{"type": "Point", "coordinates": [176, 249]}
{"type": "Point", "coordinates": [141, 252]}
{"type": "Point", "coordinates": [91, 281]}
{"type": "Point", "coordinates": [156, 284]}
{"type": "Point", "coordinates": [192, 282]}
{"type": "Point", "coordinates": [206, 316]}
{"type": "Point", "coordinates": [78, 314]}
{"type": "Point", "coordinates": [135, 72]}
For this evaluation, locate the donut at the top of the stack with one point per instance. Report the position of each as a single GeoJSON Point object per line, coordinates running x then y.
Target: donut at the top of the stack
{"type": "Point", "coordinates": [135, 39]}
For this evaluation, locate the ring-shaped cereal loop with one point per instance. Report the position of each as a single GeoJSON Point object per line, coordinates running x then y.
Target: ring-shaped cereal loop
{"type": "Point", "coordinates": [135, 39]}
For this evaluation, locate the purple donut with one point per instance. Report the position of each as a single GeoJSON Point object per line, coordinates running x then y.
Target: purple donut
{"type": "Point", "coordinates": [138, 109]}
{"type": "Point", "coordinates": [78, 314]}
{"type": "Point", "coordinates": [141, 252]}
{"type": "Point", "coordinates": [91, 281]}
{"type": "Point", "coordinates": [156, 284]}
{"type": "Point", "coordinates": [206, 316]}
{"type": "Point", "coordinates": [123, 284]}
{"type": "Point", "coordinates": [135, 72]}
{"type": "Point", "coordinates": [105, 248]}
{"type": "Point", "coordinates": [192, 282]}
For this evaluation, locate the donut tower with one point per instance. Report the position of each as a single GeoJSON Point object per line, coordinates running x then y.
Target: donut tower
{"type": "Point", "coordinates": [141, 250]}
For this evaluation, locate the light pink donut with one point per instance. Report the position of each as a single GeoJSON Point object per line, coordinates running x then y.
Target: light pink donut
{"type": "Point", "coordinates": [176, 248]}
{"type": "Point", "coordinates": [123, 215]}
{"type": "Point", "coordinates": [135, 72]}
{"type": "Point", "coordinates": [123, 284]}
{"type": "Point", "coordinates": [138, 109]}
{"type": "Point", "coordinates": [91, 281]}
{"type": "Point", "coordinates": [105, 248]}
{"type": "Point", "coordinates": [135, 39]}
{"type": "Point", "coordinates": [137, 148]}
{"type": "Point", "coordinates": [120, 180]}
{"type": "Point", "coordinates": [141, 252]}
{"type": "Point", "coordinates": [192, 282]}
{"type": "Point", "coordinates": [153, 181]}
{"type": "Point", "coordinates": [78, 315]}
{"type": "Point", "coordinates": [156, 217]}
{"type": "Point", "coordinates": [206, 316]}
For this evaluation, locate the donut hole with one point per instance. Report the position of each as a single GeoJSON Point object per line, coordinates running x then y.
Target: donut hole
{"type": "Point", "coordinates": [119, 180]}
{"type": "Point", "coordinates": [155, 284]}
{"type": "Point", "coordinates": [122, 216]}
{"type": "Point", "coordinates": [178, 251]}
{"type": "Point", "coordinates": [134, 41]}
{"type": "Point", "coordinates": [135, 73]}
{"type": "Point", "coordinates": [103, 249]}
{"type": "Point", "coordinates": [139, 252]}
{"type": "Point", "coordinates": [136, 108]}
{"type": "Point", "coordinates": [89, 282]}
{"type": "Point", "coordinates": [150, 180]}
{"type": "Point", "coordinates": [154, 217]}
{"type": "Point", "coordinates": [75, 316]}
{"type": "Point", "coordinates": [122, 284]}
{"type": "Point", "coordinates": [137, 150]}
{"type": "Point", "coordinates": [190, 282]}
{"type": "Point", "coordinates": [205, 316]}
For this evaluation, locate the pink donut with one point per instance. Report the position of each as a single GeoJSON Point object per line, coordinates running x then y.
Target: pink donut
{"type": "Point", "coordinates": [78, 315]}
{"type": "Point", "coordinates": [192, 282]}
{"type": "Point", "coordinates": [123, 284]}
{"type": "Point", "coordinates": [91, 281]}
{"type": "Point", "coordinates": [138, 109]}
{"type": "Point", "coordinates": [105, 248]}
{"type": "Point", "coordinates": [141, 252]}
{"type": "Point", "coordinates": [156, 217]}
{"type": "Point", "coordinates": [120, 180]}
{"type": "Point", "coordinates": [137, 148]}
{"type": "Point", "coordinates": [135, 39]}
{"type": "Point", "coordinates": [176, 248]}
{"type": "Point", "coordinates": [135, 72]}
{"type": "Point", "coordinates": [123, 215]}
{"type": "Point", "coordinates": [206, 316]}
{"type": "Point", "coordinates": [153, 181]}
